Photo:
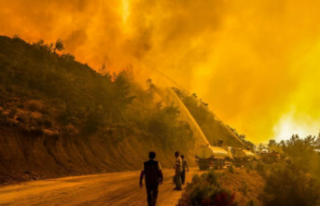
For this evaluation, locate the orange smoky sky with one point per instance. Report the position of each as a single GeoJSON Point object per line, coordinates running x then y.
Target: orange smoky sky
{"type": "Point", "coordinates": [255, 62]}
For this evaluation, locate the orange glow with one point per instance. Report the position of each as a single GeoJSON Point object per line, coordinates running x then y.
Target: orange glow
{"type": "Point", "coordinates": [255, 62]}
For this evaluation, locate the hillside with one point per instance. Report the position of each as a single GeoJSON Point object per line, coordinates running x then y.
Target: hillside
{"type": "Point", "coordinates": [213, 128]}
{"type": "Point", "coordinates": [247, 185]}
{"type": "Point", "coordinates": [59, 117]}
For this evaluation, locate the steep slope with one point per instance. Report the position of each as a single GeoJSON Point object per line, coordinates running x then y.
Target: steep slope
{"type": "Point", "coordinates": [59, 117]}
{"type": "Point", "coordinates": [213, 128]}
{"type": "Point", "coordinates": [247, 186]}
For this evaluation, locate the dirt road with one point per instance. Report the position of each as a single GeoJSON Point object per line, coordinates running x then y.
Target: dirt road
{"type": "Point", "coordinates": [114, 189]}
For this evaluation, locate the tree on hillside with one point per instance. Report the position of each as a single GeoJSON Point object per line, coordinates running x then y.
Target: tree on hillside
{"type": "Point", "coordinates": [309, 141]}
{"type": "Point", "coordinates": [318, 142]}
{"type": "Point", "coordinates": [58, 46]}
{"type": "Point", "coordinates": [285, 186]}
{"type": "Point", "coordinates": [272, 143]}
{"type": "Point", "coordinates": [301, 151]}
{"type": "Point", "coordinates": [39, 43]}
{"type": "Point", "coordinates": [151, 88]}
{"type": "Point", "coordinates": [260, 147]}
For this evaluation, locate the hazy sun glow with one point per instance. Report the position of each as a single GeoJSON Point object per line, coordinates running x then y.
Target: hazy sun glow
{"type": "Point", "coordinates": [125, 10]}
{"type": "Point", "coordinates": [293, 123]}
{"type": "Point", "coordinates": [255, 62]}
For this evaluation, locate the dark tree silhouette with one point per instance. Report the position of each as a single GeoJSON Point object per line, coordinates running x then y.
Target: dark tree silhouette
{"type": "Point", "coordinates": [58, 46]}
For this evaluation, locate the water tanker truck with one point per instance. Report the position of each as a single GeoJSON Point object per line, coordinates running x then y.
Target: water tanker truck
{"type": "Point", "coordinates": [272, 156]}
{"type": "Point", "coordinates": [242, 157]}
{"type": "Point", "coordinates": [208, 156]}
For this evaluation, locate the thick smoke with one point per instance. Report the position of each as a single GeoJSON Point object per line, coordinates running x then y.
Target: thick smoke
{"type": "Point", "coordinates": [254, 62]}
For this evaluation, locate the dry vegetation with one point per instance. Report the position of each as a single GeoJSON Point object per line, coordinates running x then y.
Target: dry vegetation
{"type": "Point", "coordinates": [45, 93]}
{"type": "Point", "coordinates": [285, 183]}
{"type": "Point", "coordinates": [59, 117]}
{"type": "Point", "coordinates": [246, 185]}
{"type": "Point", "coordinates": [295, 181]}
{"type": "Point", "coordinates": [224, 189]}
{"type": "Point", "coordinates": [213, 128]}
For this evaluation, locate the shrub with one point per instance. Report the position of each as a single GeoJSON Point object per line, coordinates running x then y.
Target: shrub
{"type": "Point", "coordinates": [211, 177]}
{"type": "Point", "coordinates": [224, 198]}
{"type": "Point", "coordinates": [248, 170]}
{"type": "Point", "coordinates": [4, 119]}
{"type": "Point", "coordinates": [231, 169]}
{"type": "Point", "coordinates": [261, 169]}
{"type": "Point", "coordinates": [12, 112]}
{"type": "Point", "coordinates": [243, 188]}
{"type": "Point", "coordinates": [222, 175]}
{"type": "Point", "coordinates": [23, 118]}
{"type": "Point", "coordinates": [37, 131]}
{"type": "Point", "coordinates": [289, 186]}
{"type": "Point", "coordinates": [196, 179]}
{"type": "Point", "coordinates": [205, 190]}
{"type": "Point", "coordinates": [34, 105]}
{"type": "Point", "coordinates": [47, 121]}
{"type": "Point", "coordinates": [251, 203]}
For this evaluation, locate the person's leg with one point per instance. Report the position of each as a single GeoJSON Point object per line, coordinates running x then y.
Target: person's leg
{"type": "Point", "coordinates": [149, 195]}
{"type": "Point", "coordinates": [155, 194]}
{"type": "Point", "coordinates": [183, 177]}
{"type": "Point", "coordinates": [175, 181]}
{"type": "Point", "coordinates": [179, 181]}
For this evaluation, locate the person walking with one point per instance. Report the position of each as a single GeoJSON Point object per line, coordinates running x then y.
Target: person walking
{"type": "Point", "coordinates": [185, 168]}
{"type": "Point", "coordinates": [177, 167]}
{"type": "Point", "coordinates": [153, 177]}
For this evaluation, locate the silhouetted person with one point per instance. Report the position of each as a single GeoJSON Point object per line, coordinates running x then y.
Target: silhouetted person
{"type": "Point", "coordinates": [153, 177]}
{"type": "Point", "coordinates": [178, 170]}
{"type": "Point", "coordinates": [185, 168]}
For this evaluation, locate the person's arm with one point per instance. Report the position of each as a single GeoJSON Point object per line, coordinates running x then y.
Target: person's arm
{"type": "Point", "coordinates": [160, 177]}
{"type": "Point", "coordinates": [187, 166]}
{"type": "Point", "coordinates": [160, 173]}
{"type": "Point", "coordinates": [141, 178]}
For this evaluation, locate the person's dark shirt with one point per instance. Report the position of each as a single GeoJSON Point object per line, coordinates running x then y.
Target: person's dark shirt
{"type": "Point", "coordinates": [153, 172]}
